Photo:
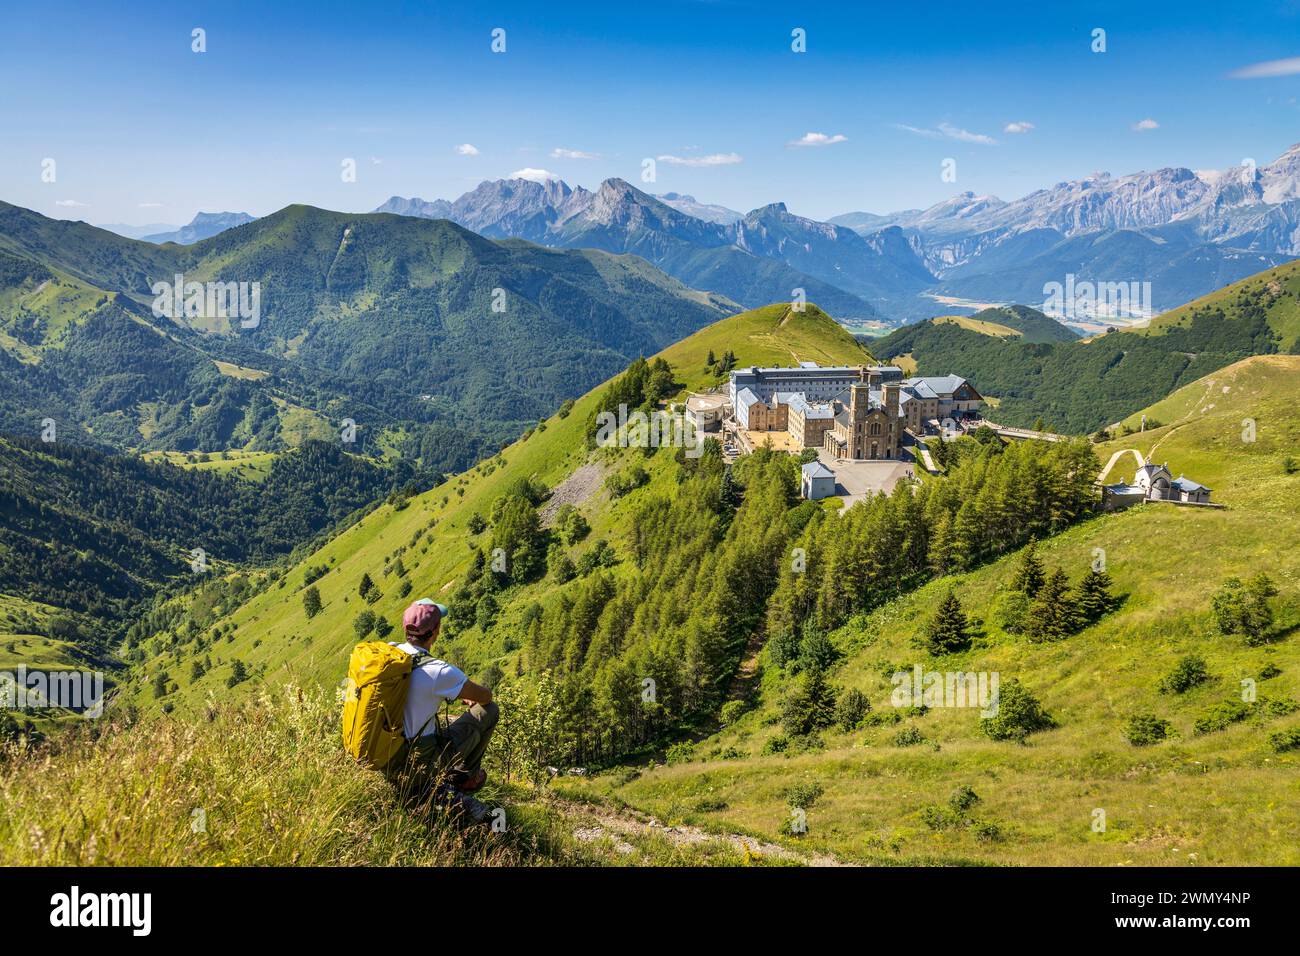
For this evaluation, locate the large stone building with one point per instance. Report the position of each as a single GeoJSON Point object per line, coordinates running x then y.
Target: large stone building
{"type": "Point", "coordinates": [853, 412]}
{"type": "Point", "coordinates": [868, 427]}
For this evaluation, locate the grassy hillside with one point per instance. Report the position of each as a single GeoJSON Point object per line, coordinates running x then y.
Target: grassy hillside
{"type": "Point", "coordinates": [1011, 321]}
{"type": "Point", "coordinates": [1274, 294]}
{"type": "Point", "coordinates": [1217, 798]}
{"type": "Point", "coordinates": [441, 345]}
{"type": "Point", "coordinates": [1078, 386]}
{"type": "Point", "coordinates": [271, 634]}
{"type": "Point", "coordinates": [87, 538]}
{"type": "Point", "coordinates": [977, 325]}
{"type": "Point", "coordinates": [891, 790]}
{"type": "Point", "coordinates": [1033, 325]}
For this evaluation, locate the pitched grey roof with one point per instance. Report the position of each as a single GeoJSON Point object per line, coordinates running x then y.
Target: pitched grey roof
{"type": "Point", "coordinates": [1186, 484]}
{"type": "Point", "coordinates": [746, 398]}
{"type": "Point", "coordinates": [939, 384]}
{"type": "Point", "coordinates": [815, 469]}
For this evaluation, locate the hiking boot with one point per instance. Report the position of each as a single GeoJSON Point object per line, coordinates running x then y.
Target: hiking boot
{"type": "Point", "coordinates": [474, 811]}
{"type": "Point", "coordinates": [474, 782]}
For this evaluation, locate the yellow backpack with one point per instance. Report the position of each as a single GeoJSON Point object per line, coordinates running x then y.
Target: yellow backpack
{"type": "Point", "coordinates": [374, 701]}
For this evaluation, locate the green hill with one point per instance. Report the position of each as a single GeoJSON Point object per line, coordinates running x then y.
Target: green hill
{"type": "Point", "coordinates": [692, 550]}
{"type": "Point", "coordinates": [1033, 325]}
{"type": "Point", "coordinates": [1273, 294]}
{"type": "Point", "coordinates": [430, 534]}
{"type": "Point", "coordinates": [1011, 321]}
{"type": "Point", "coordinates": [1209, 797]}
{"type": "Point", "coordinates": [88, 538]}
{"type": "Point", "coordinates": [438, 343]}
{"type": "Point", "coordinates": [1079, 386]}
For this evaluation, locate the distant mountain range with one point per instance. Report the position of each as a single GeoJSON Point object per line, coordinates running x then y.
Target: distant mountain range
{"type": "Point", "coordinates": [203, 226]}
{"type": "Point", "coordinates": [754, 260]}
{"type": "Point", "coordinates": [1187, 233]}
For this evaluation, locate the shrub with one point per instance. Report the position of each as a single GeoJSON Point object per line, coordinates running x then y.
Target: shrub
{"type": "Point", "coordinates": [851, 708]}
{"type": "Point", "coordinates": [1190, 672]}
{"type": "Point", "coordinates": [783, 648]}
{"type": "Point", "coordinates": [311, 603]}
{"type": "Point", "coordinates": [1143, 730]}
{"type": "Point", "coordinates": [679, 753]}
{"type": "Point", "coordinates": [1269, 707]}
{"type": "Point", "coordinates": [1221, 716]}
{"type": "Point", "coordinates": [1244, 609]}
{"type": "Point", "coordinates": [626, 481]}
{"type": "Point", "coordinates": [963, 798]}
{"type": "Point", "coordinates": [908, 737]}
{"type": "Point", "coordinates": [1009, 611]}
{"type": "Point", "coordinates": [1019, 714]}
{"type": "Point", "coordinates": [939, 818]}
{"type": "Point", "coordinates": [804, 794]}
{"type": "Point", "coordinates": [709, 805]}
{"type": "Point", "coordinates": [776, 744]}
{"type": "Point", "coordinates": [1269, 670]}
{"type": "Point", "coordinates": [477, 524]}
{"type": "Point", "coordinates": [732, 711]}
{"type": "Point", "coordinates": [986, 832]}
{"type": "Point", "coordinates": [1285, 740]}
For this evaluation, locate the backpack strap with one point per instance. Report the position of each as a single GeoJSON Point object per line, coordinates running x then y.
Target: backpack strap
{"type": "Point", "coordinates": [417, 659]}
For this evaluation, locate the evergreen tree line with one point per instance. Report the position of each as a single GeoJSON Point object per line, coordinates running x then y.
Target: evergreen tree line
{"type": "Point", "coordinates": [653, 645]}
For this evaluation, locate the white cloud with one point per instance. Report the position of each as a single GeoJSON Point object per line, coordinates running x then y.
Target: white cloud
{"type": "Point", "coordinates": [69, 202]}
{"type": "Point", "coordinates": [1024, 126]}
{"type": "Point", "coordinates": [954, 132]}
{"type": "Point", "coordinates": [1142, 126]}
{"type": "Point", "coordinates": [150, 205]}
{"type": "Point", "coordinates": [716, 159]}
{"type": "Point", "coordinates": [818, 139]}
{"type": "Point", "coordinates": [467, 149]}
{"type": "Point", "coordinates": [561, 153]}
{"type": "Point", "coordinates": [948, 131]}
{"type": "Point", "coordinates": [1255, 71]}
{"type": "Point", "coordinates": [376, 161]}
{"type": "Point", "coordinates": [534, 175]}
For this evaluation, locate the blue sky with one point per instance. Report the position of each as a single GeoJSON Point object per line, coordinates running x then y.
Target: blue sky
{"type": "Point", "coordinates": [142, 129]}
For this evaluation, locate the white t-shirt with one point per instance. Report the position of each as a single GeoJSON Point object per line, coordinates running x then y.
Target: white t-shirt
{"type": "Point", "coordinates": [433, 682]}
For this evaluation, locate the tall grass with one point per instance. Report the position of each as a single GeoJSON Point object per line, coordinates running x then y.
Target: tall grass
{"type": "Point", "coordinates": [262, 783]}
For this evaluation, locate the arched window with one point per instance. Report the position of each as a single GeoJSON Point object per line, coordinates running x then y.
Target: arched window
{"type": "Point", "coordinates": [875, 428]}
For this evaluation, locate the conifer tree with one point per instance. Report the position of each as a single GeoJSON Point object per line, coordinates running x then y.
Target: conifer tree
{"type": "Point", "coordinates": [940, 551]}
{"type": "Point", "coordinates": [1094, 600]}
{"type": "Point", "coordinates": [1053, 615]}
{"type": "Point", "coordinates": [1030, 576]}
{"type": "Point", "coordinates": [949, 630]}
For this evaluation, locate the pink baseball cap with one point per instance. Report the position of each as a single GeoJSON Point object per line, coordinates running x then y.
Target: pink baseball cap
{"type": "Point", "coordinates": [422, 616]}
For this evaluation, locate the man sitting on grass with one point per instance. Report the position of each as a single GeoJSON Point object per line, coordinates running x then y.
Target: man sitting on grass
{"type": "Point", "coordinates": [456, 749]}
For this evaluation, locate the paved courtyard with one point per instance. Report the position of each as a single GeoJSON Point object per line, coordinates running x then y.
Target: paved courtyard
{"type": "Point", "coordinates": [856, 480]}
